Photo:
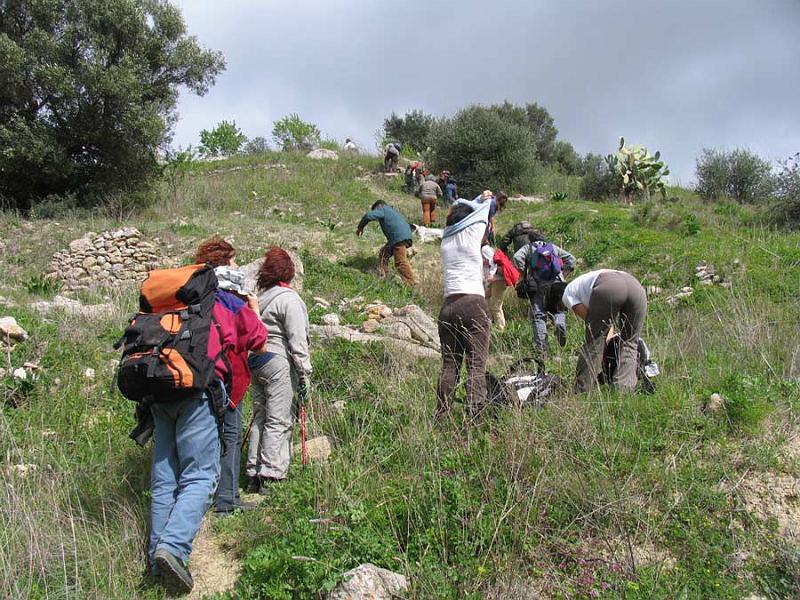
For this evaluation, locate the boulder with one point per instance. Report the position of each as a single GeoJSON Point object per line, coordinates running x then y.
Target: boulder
{"type": "Point", "coordinates": [318, 448]}
{"type": "Point", "coordinates": [323, 154]}
{"type": "Point", "coordinates": [251, 272]}
{"type": "Point", "coordinates": [370, 326]}
{"type": "Point", "coordinates": [368, 582]}
{"type": "Point", "coordinates": [423, 328]}
{"type": "Point", "coordinates": [405, 347]}
{"type": "Point", "coordinates": [331, 319]}
{"type": "Point", "coordinates": [11, 331]}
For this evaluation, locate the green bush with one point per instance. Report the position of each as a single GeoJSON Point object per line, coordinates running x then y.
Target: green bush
{"type": "Point", "coordinates": [412, 130]}
{"type": "Point", "coordinates": [738, 174]}
{"type": "Point", "coordinates": [224, 140]}
{"type": "Point", "coordinates": [292, 133]}
{"type": "Point", "coordinates": [257, 145]}
{"type": "Point", "coordinates": [598, 182]}
{"type": "Point", "coordinates": [483, 149]}
{"type": "Point", "coordinates": [88, 95]}
{"type": "Point", "coordinates": [788, 189]}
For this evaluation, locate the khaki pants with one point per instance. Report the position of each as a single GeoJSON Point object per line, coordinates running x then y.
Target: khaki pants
{"type": "Point", "coordinates": [616, 297]}
{"type": "Point", "coordinates": [428, 211]}
{"type": "Point", "coordinates": [495, 291]}
{"type": "Point", "coordinates": [400, 254]}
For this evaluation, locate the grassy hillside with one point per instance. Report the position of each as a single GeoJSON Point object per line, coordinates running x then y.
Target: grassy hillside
{"type": "Point", "coordinates": [597, 496]}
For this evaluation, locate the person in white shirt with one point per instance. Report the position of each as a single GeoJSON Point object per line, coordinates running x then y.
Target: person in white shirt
{"type": "Point", "coordinates": [464, 318]}
{"type": "Point", "coordinates": [600, 298]}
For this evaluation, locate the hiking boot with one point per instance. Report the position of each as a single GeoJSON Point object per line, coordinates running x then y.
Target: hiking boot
{"type": "Point", "coordinates": [266, 483]}
{"type": "Point", "coordinates": [561, 336]}
{"type": "Point", "coordinates": [251, 487]}
{"type": "Point", "coordinates": [241, 506]}
{"type": "Point", "coordinates": [175, 577]}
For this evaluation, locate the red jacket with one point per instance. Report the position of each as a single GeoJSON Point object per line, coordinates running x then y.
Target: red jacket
{"type": "Point", "coordinates": [510, 273]}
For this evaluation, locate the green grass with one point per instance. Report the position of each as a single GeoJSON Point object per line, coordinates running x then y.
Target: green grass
{"type": "Point", "coordinates": [598, 496]}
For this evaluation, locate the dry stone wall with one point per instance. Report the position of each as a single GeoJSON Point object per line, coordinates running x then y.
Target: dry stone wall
{"type": "Point", "coordinates": [109, 259]}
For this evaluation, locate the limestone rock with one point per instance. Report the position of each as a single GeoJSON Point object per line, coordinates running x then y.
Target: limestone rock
{"type": "Point", "coordinates": [74, 308]}
{"type": "Point", "coordinates": [318, 448]}
{"type": "Point", "coordinates": [251, 272]}
{"type": "Point", "coordinates": [321, 301]}
{"type": "Point", "coordinates": [370, 326]}
{"type": "Point", "coordinates": [423, 327]}
{"type": "Point", "coordinates": [368, 582]}
{"type": "Point", "coordinates": [653, 290]}
{"type": "Point", "coordinates": [405, 347]}
{"type": "Point", "coordinates": [715, 403]}
{"type": "Point", "coordinates": [322, 154]}
{"type": "Point", "coordinates": [331, 319]}
{"type": "Point", "coordinates": [397, 330]}
{"type": "Point", "coordinates": [11, 331]}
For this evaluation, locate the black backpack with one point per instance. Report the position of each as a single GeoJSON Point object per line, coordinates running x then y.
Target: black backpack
{"type": "Point", "coordinates": [165, 346]}
{"type": "Point", "coordinates": [646, 369]}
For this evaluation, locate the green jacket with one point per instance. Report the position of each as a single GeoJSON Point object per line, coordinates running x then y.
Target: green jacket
{"type": "Point", "coordinates": [393, 224]}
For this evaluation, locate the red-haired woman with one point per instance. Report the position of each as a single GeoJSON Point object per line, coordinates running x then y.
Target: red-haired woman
{"type": "Point", "coordinates": [279, 374]}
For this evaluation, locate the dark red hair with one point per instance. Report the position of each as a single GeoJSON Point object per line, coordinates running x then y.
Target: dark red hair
{"type": "Point", "coordinates": [215, 252]}
{"type": "Point", "coordinates": [276, 268]}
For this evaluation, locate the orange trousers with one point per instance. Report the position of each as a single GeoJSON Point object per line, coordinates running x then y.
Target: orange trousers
{"type": "Point", "coordinates": [428, 211]}
{"type": "Point", "coordinates": [401, 263]}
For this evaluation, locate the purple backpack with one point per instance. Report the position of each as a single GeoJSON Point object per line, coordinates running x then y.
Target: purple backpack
{"type": "Point", "coordinates": [545, 265]}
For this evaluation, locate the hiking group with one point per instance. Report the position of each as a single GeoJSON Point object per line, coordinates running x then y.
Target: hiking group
{"type": "Point", "coordinates": [201, 338]}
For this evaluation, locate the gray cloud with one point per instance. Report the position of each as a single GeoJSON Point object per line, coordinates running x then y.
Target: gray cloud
{"type": "Point", "coordinates": [675, 75]}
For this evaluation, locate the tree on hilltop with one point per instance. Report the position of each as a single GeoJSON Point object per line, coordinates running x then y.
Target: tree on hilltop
{"type": "Point", "coordinates": [412, 130]}
{"type": "Point", "coordinates": [88, 90]}
{"type": "Point", "coordinates": [291, 133]}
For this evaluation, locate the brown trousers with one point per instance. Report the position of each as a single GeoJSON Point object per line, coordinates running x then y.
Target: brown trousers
{"type": "Point", "coordinates": [428, 211]}
{"type": "Point", "coordinates": [463, 333]}
{"type": "Point", "coordinates": [618, 297]}
{"type": "Point", "coordinates": [401, 263]}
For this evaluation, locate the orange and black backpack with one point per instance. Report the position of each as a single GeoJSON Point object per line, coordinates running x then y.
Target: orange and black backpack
{"type": "Point", "coordinates": [165, 346]}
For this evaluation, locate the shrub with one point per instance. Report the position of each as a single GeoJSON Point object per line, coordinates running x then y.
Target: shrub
{"type": "Point", "coordinates": [412, 130]}
{"type": "Point", "coordinates": [292, 133]}
{"type": "Point", "coordinates": [224, 140]}
{"type": "Point", "coordinates": [258, 145]}
{"type": "Point", "coordinates": [598, 182]}
{"type": "Point", "coordinates": [787, 184]}
{"type": "Point", "coordinates": [88, 94]}
{"type": "Point", "coordinates": [330, 144]}
{"type": "Point", "coordinates": [738, 174]}
{"type": "Point", "coordinates": [485, 150]}
{"type": "Point", "coordinates": [566, 159]}
{"type": "Point", "coordinates": [538, 121]}
{"type": "Point", "coordinates": [637, 172]}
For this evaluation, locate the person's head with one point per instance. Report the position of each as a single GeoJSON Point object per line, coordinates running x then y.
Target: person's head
{"type": "Point", "coordinates": [276, 268]}
{"type": "Point", "coordinates": [501, 198]}
{"type": "Point", "coordinates": [535, 236]}
{"type": "Point", "coordinates": [347, 141]}
{"type": "Point", "coordinates": [458, 212]}
{"type": "Point", "coordinates": [554, 300]}
{"type": "Point", "coordinates": [430, 178]}
{"type": "Point", "coordinates": [215, 252]}
{"type": "Point", "coordinates": [486, 195]}
{"type": "Point", "coordinates": [377, 204]}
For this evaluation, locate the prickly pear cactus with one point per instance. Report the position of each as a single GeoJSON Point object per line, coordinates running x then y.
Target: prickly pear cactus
{"type": "Point", "coordinates": [639, 172]}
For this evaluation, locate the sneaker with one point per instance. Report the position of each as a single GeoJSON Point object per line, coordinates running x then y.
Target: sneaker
{"type": "Point", "coordinates": [561, 336]}
{"type": "Point", "coordinates": [175, 577]}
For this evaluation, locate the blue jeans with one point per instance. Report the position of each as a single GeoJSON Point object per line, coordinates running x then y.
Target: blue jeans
{"type": "Point", "coordinates": [228, 491]}
{"type": "Point", "coordinates": [185, 473]}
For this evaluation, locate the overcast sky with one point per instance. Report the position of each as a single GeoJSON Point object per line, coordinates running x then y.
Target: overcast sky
{"type": "Point", "coordinates": [675, 75]}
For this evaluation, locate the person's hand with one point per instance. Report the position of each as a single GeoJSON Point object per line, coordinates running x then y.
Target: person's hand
{"type": "Point", "coordinates": [302, 390]}
{"type": "Point", "coordinates": [359, 232]}
{"type": "Point", "coordinates": [252, 302]}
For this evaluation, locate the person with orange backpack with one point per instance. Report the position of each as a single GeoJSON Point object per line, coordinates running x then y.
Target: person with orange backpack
{"type": "Point", "coordinates": [175, 364]}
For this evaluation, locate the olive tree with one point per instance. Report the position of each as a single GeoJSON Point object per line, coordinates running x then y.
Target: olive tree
{"type": "Point", "coordinates": [88, 90]}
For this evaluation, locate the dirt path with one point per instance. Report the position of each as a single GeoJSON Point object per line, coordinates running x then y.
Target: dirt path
{"type": "Point", "coordinates": [214, 568]}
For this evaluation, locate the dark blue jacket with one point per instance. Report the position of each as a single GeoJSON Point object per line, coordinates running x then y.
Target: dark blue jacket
{"type": "Point", "coordinates": [393, 224]}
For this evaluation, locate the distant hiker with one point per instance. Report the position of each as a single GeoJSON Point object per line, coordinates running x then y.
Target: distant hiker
{"type": "Point", "coordinates": [398, 240]}
{"type": "Point", "coordinates": [500, 274]}
{"type": "Point", "coordinates": [450, 192]}
{"type": "Point", "coordinates": [601, 298]}
{"type": "Point", "coordinates": [391, 157]}
{"type": "Point", "coordinates": [349, 147]}
{"type": "Point", "coordinates": [496, 204]}
{"type": "Point", "coordinates": [429, 193]}
{"type": "Point", "coordinates": [279, 375]}
{"type": "Point", "coordinates": [413, 174]}
{"type": "Point", "coordinates": [442, 180]}
{"type": "Point", "coordinates": [542, 264]}
{"type": "Point", "coordinates": [221, 255]}
{"type": "Point", "coordinates": [186, 449]}
{"type": "Point", "coordinates": [464, 316]}
{"type": "Point", "coordinates": [517, 237]}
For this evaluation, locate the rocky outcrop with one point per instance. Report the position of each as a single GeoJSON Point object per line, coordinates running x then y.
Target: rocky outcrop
{"type": "Point", "coordinates": [11, 332]}
{"type": "Point", "coordinates": [406, 347]}
{"type": "Point", "coordinates": [74, 308]}
{"type": "Point", "coordinates": [323, 154]}
{"type": "Point", "coordinates": [368, 582]}
{"type": "Point", "coordinates": [421, 327]}
{"type": "Point", "coordinates": [106, 260]}
{"type": "Point", "coordinates": [251, 272]}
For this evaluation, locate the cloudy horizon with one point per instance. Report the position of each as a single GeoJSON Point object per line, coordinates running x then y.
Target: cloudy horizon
{"type": "Point", "coordinates": [675, 76]}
